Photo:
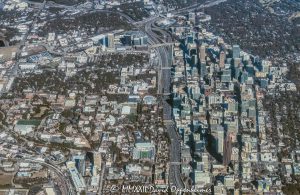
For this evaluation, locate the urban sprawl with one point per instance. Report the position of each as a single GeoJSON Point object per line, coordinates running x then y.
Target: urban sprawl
{"type": "Point", "coordinates": [158, 105]}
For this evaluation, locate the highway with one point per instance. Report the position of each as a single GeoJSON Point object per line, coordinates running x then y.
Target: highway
{"type": "Point", "coordinates": [175, 156]}
{"type": "Point", "coordinates": [164, 78]}
{"type": "Point", "coordinates": [65, 185]}
{"type": "Point", "coordinates": [164, 88]}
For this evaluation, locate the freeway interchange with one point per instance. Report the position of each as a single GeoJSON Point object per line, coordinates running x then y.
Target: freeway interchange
{"type": "Point", "coordinates": [65, 185]}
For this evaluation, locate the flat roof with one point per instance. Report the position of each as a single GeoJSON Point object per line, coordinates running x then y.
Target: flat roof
{"type": "Point", "coordinates": [29, 122]}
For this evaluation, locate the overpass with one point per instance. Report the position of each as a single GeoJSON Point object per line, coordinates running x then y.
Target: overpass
{"type": "Point", "coordinates": [161, 45]}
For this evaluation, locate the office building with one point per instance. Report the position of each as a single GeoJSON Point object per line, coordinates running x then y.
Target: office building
{"type": "Point", "coordinates": [227, 150]}
{"type": "Point", "coordinates": [222, 59]}
{"type": "Point", "coordinates": [111, 41]}
{"type": "Point", "coordinates": [201, 178]}
{"type": "Point", "coordinates": [77, 179]}
{"type": "Point", "coordinates": [190, 39]}
{"type": "Point", "coordinates": [203, 70]}
{"type": "Point", "coordinates": [136, 41]}
{"type": "Point", "coordinates": [237, 62]}
{"type": "Point", "coordinates": [79, 163]}
{"type": "Point", "coordinates": [144, 40]}
{"type": "Point", "coordinates": [192, 17]}
{"type": "Point", "coordinates": [202, 53]}
{"type": "Point", "coordinates": [194, 60]}
{"type": "Point", "coordinates": [236, 51]}
{"type": "Point", "coordinates": [218, 134]}
{"type": "Point", "coordinates": [127, 40]}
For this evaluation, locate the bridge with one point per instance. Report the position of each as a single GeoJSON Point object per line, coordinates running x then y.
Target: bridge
{"type": "Point", "coordinates": [166, 68]}
{"type": "Point", "coordinates": [161, 45]}
{"type": "Point", "coordinates": [175, 163]}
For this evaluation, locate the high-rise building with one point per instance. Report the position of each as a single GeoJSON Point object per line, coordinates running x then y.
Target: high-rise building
{"type": "Point", "coordinates": [194, 59]}
{"type": "Point", "coordinates": [206, 162]}
{"type": "Point", "coordinates": [218, 133]}
{"type": "Point", "coordinates": [192, 17]}
{"type": "Point", "coordinates": [232, 105]}
{"type": "Point", "coordinates": [237, 73]}
{"type": "Point", "coordinates": [192, 49]}
{"type": "Point", "coordinates": [77, 178]}
{"type": "Point", "coordinates": [215, 99]}
{"type": "Point", "coordinates": [264, 83]}
{"type": "Point", "coordinates": [111, 41]}
{"type": "Point", "coordinates": [127, 40]}
{"type": "Point", "coordinates": [202, 53]}
{"type": "Point", "coordinates": [229, 181]}
{"type": "Point", "coordinates": [222, 59]}
{"type": "Point", "coordinates": [199, 147]}
{"type": "Point", "coordinates": [220, 141]}
{"type": "Point", "coordinates": [226, 75]}
{"type": "Point", "coordinates": [103, 42]}
{"type": "Point", "coordinates": [203, 69]}
{"type": "Point", "coordinates": [236, 51]}
{"type": "Point", "coordinates": [227, 150]}
{"type": "Point", "coordinates": [237, 62]}
{"type": "Point", "coordinates": [201, 178]}
{"type": "Point", "coordinates": [136, 41]}
{"type": "Point", "coordinates": [190, 39]}
{"type": "Point", "coordinates": [80, 163]}
{"type": "Point", "coordinates": [144, 40]}
{"type": "Point", "coordinates": [266, 66]}
{"type": "Point", "coordinates": [244, 77]}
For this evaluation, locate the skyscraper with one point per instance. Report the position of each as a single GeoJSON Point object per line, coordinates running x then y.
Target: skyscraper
{"type": "Point", "coordinates": [222, 59]}
{"type": "Point", "coordinates": [237, 62]}
{"type": "Point", "coordinates": [218, 133]}
{"type": "Point", "coordinates": [111, 41]}
{"type": "Point", "coordinates": [194, 59]}
{"type": "Point", "coordinates": [227, 150]}
{"type": "Point", "coordinates": [202, 53]}
{"type": "Point", "coordinates": [203, 70]}
{"type": "Point", "coordinates": [236, 51]}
